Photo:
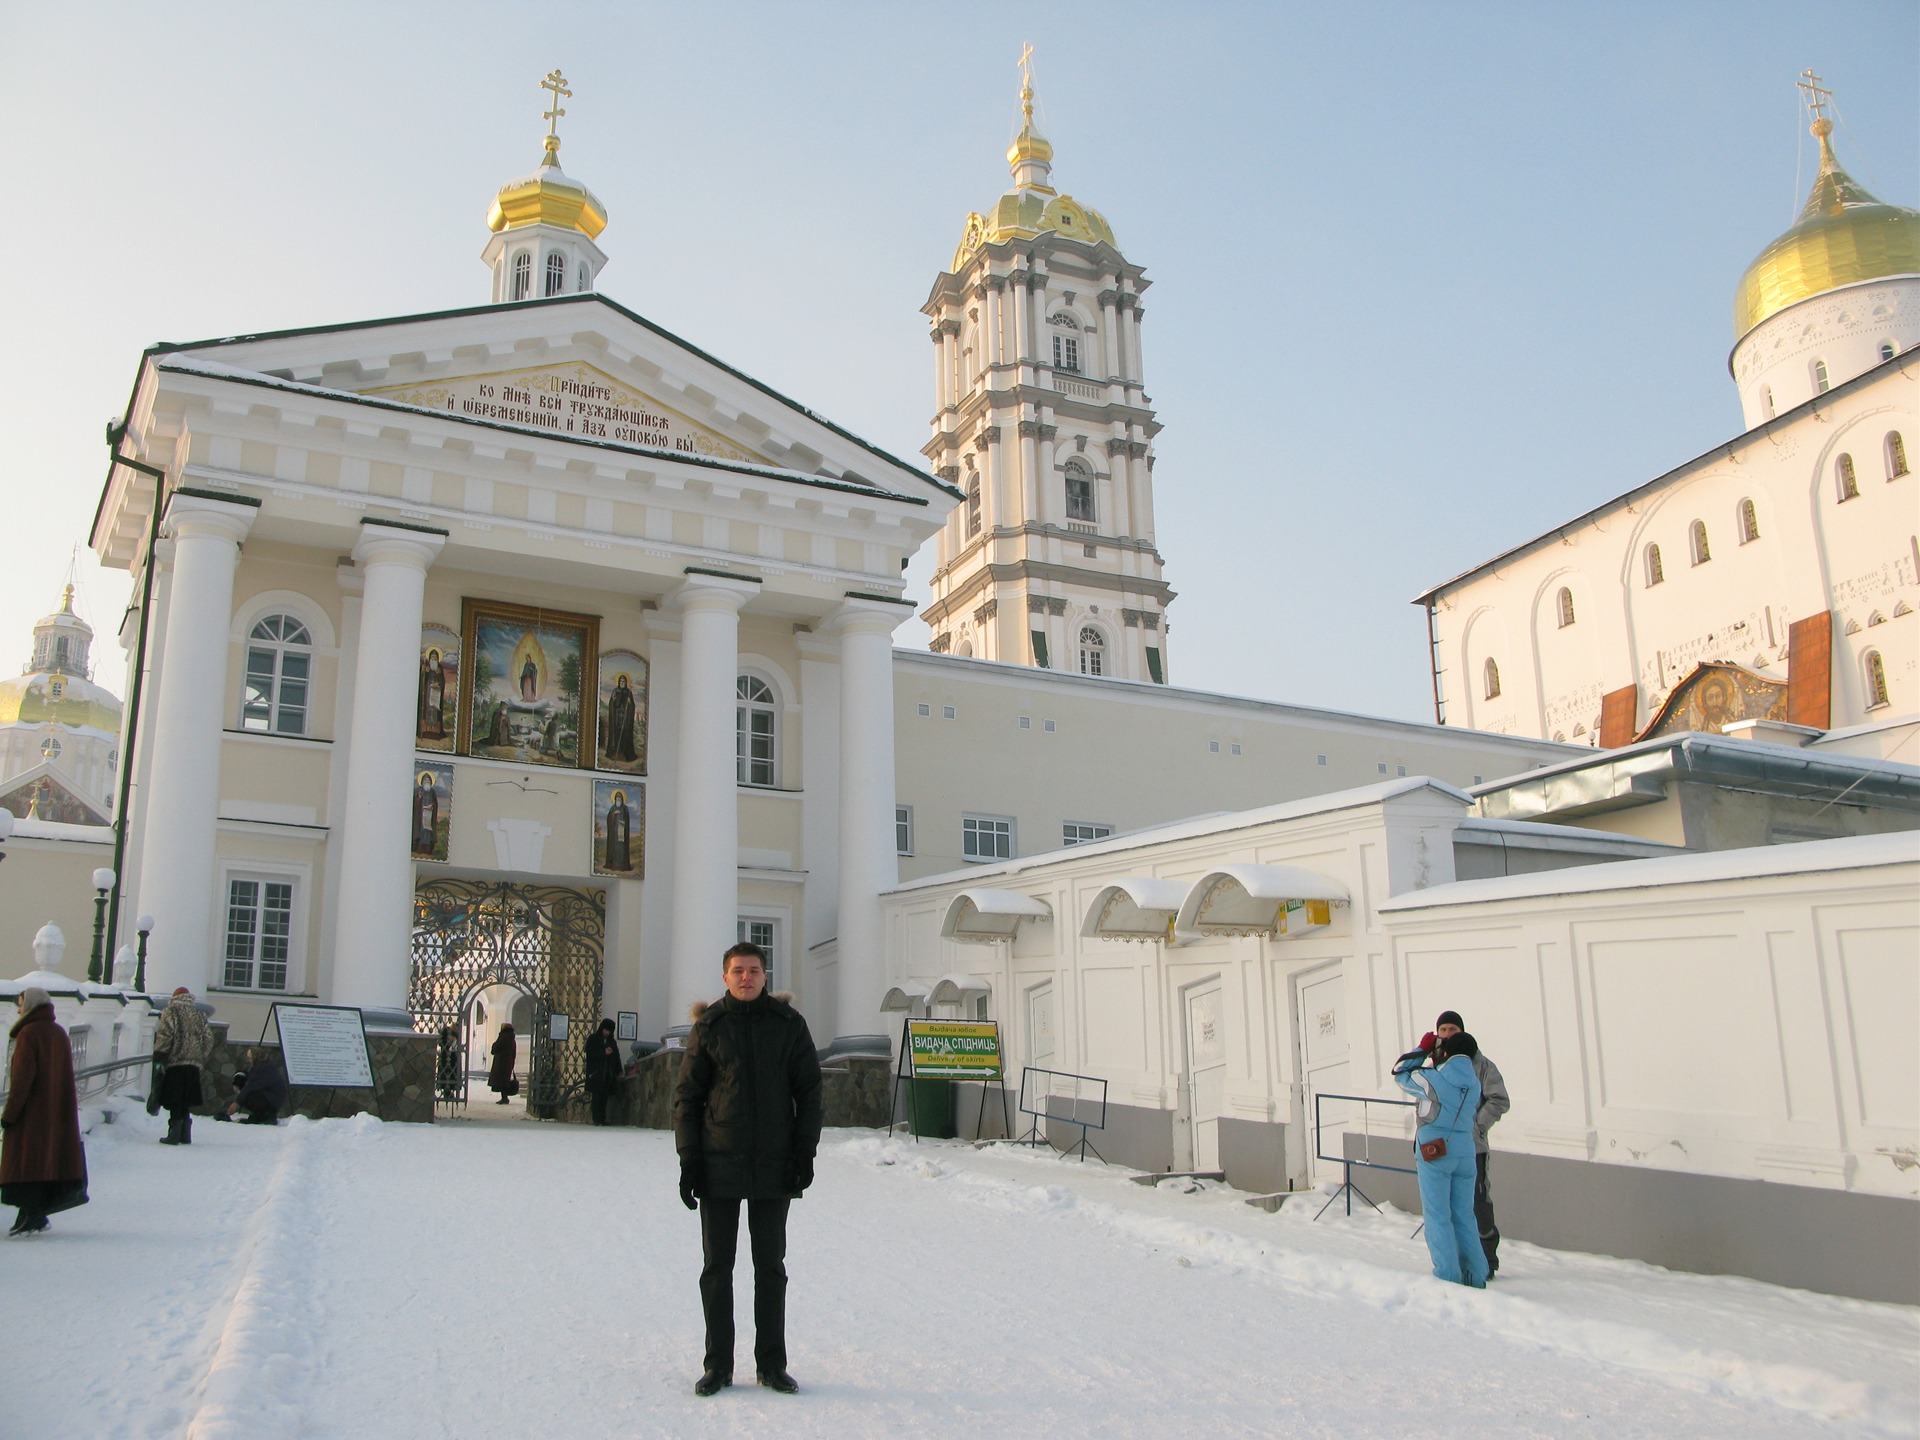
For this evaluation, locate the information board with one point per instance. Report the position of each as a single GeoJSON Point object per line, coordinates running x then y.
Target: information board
{"type": "Point", "coordinates": [954, 1049]}
{"type": "Point", "coordinates": [324, 1045]}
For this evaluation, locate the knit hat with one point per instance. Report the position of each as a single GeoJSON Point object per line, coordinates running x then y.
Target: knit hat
{"type": "Point", "coordinates": [1461, 1044]}
{"type": "Point", "coordinates": [32, 998]}
{"type": "Point", "coordinates": [181, 990]}
{"type": "Point", "coordinates": [1449, 1017]}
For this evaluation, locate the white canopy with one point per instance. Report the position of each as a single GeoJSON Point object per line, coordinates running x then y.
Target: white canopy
{"type": "Point", "coordinates": [983, 916]}
{"type": "Point", "coordinates": [1136, 908]}
{"type": "Point", "coordinates": [952, 989]}
{"type": "Point", "coordinates": [1270, 900]}
{"type": "Point", "coordinates": [905, 997]}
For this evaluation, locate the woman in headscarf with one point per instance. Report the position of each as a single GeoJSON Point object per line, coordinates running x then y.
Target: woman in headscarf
{"type": "Point", "coordinates": [43, 1166]}
{"type": "Point", "coordinates": [505, 1052]}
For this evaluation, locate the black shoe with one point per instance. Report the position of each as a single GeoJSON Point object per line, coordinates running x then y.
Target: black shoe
{"type": "Point", "coordinates": [780, 1382]}
{"type": "Point", "coordinates": [711, 1382]}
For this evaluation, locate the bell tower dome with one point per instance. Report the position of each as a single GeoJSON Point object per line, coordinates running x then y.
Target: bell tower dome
{"type": "Point", "coordinates": [544, 224]}
{"type": "Point", "coordinates": [1043, 422]}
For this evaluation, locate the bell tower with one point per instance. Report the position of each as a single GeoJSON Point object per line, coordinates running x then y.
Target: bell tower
{"type": "Point", "coordinates": [1043, 422]}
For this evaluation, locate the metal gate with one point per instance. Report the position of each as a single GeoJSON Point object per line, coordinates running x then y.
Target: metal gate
{"type": "Point", "coordinates": [546, 941]}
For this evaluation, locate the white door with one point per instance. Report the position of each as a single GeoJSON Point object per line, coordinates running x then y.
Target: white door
{"type": "Point", "coordinates": [1206, 1072]}
{"type": "Point", "coordinates": [1323, 1065]}
{"type": "Point", "coordinates": [1040, 1047]}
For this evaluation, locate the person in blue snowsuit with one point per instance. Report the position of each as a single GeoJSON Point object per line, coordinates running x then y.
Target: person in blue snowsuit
{"type": "Point", "coordinates": [1447, 1095]}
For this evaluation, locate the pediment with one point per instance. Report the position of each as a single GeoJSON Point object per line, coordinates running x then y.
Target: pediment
{"type": "Point", "coordinates": [572, 398]}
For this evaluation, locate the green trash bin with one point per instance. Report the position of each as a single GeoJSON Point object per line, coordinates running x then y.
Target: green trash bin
{"type": "Point", "coordinates": [930, 1104]}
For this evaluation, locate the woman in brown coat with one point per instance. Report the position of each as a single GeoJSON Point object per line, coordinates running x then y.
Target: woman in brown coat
{"type": "Point", "coordinates": [43, 1169]}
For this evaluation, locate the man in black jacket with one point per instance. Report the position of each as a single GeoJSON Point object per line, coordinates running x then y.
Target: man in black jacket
{"type": "Point", "coordinates": [746, 1122]}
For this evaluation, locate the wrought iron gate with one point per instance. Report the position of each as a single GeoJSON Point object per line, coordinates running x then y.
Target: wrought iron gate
{"type": "Point", "coordinates": [546, 941]}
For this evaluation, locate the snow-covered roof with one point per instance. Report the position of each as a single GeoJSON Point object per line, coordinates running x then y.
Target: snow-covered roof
{"type": "Point", "coordinates": [1849, 852]}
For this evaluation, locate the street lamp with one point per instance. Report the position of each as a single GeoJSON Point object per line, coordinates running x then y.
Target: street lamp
{"type": "Point", "coordinates": [97, 970]}
{"type": "Point", "coordinates": [145, 926]}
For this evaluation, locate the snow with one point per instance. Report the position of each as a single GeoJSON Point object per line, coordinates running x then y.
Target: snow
{"type": "Point", "coordinates": [503, 1277]}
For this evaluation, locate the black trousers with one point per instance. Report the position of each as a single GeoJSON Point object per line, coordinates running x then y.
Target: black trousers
{"type": "Point", "coordinates": [597, 1103]}
{"type": "Point", "coordinates": [1483, 1212]}
{"type": "Point", "coordinates": [767, 1239]}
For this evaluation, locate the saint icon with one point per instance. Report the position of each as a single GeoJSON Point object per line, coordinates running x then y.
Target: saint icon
{"type": "Point", "coordinates": [429, 723]}
{"type": "Point", "coordinates": [529, 681]}
{"type": "Point", "coordinates": [619, 833]}
{"type": "Point", "coordinates": [620, 721]}
{"type": "Point", "coordinates": [426, 816]}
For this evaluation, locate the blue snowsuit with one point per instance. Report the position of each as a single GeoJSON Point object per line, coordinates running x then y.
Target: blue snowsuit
{"type": "Point", "coordinates": [1448, 1097]}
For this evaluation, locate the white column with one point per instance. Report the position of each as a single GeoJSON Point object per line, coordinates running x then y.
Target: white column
{"type": "Point", "coordinates": [1049, 496]}
{"type": "Point", "coordinates": [706, 832]}
{"type": "Point", "coordinates": [1022, 327]}
{"type": "Point", "coordinates": [1142, 497]}
{"type": "Point", "coordinates": [372, 928]}
{"type": "Point", "coordinates": [1109, 336]}
{"type": "Point", "coordinates": [1029, 471]}
{"type": "Point", "coordinates": [869, 863]}
{"type": "Point", "coordinates": [183, 800]}
{"type": "Point", "coordinates": [1120, 465]}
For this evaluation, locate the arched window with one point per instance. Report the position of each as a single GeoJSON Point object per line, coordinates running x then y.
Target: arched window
{"type": "Point", "coordinates": [1766, 400]}
{"type": "Point", "coordinates": [1876, 679]}
{"type": "Point", "coordinates": [1820, 382]}
{"type": "Point", "coordinates": [1888, 349]}
{"type": "Point", "coordinates": [586, 276]}
{"type": "Point", "coordinates": [1896, 448]}
{"type": "Point", "coordinates": [1492, 677]}
{"type": "Point", "coordinates": [1749, 522]}
{"type": "Point", "coordinates": [1655, 573]}
{"type": "Point", "coordinates": [556, 274]}
{"type": "Point", "coordinates": [1079, 491]}
{"type": "Point", "coordinates": [1846, 483]}
{"type": "Point", "coordinates": [1697, 532]}
{"type": "Point", "coordinates": [1066, 343]}
{"type": "Point", "coordinates": [1565, 608]}
{"type": "Point", "coordinates": [522, 276]}
{"type": "Point", "coordinates": [754, 731]}
{"type": "Point", "coordinates": [279, 671]}
{"type": "Point", "coordinates": [1093, 651]}
{"type": "Point", "coordinates": [973, 506]}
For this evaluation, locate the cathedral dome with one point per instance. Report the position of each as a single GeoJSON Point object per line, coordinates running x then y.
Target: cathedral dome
{"type": "Point", "coordinates": [40, 698]}
{"type": "Point", "coordinates": [549, 196]}
{"type": "Point", "coordinates": [1844, 236]}
{"type": "Point", "coordinates": [1033, 207]}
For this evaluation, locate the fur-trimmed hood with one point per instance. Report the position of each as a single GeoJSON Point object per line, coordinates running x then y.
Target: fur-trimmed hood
{"type": "Point", "coordinates": [700, 1007]}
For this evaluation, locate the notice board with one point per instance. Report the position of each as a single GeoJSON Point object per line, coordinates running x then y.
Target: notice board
{"type": "Point", "coordinates": [954, 1049]}
{"type": "Point", "coordinates": [324, 1045]}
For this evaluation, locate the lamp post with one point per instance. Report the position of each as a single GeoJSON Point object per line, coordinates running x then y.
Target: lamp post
{"type": "Point", "coordinates": [97, 969]}
{"type": "Point", "coordinates": [145, 926]}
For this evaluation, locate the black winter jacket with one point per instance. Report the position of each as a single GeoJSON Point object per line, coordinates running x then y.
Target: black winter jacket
{"type": "Point", "coordinates": [602, 1061]}
{"type": "Point", "coordinates": [747, 1108]}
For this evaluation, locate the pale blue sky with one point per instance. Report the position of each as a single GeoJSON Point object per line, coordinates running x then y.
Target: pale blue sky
{"type": "Point", "coordinates": [1428, 279]}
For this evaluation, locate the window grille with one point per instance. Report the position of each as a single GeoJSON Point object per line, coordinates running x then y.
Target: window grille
{"type": "Point", "coordinates": [1749, 523]}
{"type": "Point", "coordinates": [279, 671]}
{"type": "Point", "coordinates": [1093, 651]}
{"type": "Point", "coordinates": [1896, 455]}
{"type": "Point", "coordinates": [1846, 482]}
{"type": "Point", "coordinates": [1698, 533]}
{"type": "Point", "coordinates": [986, 837]}
{"type": "Point", "coordinates": [753, 731]}
{"type": "Point", "coordinates": [1566, 608]}
{"type": "Point", "coordinates": [259, 934]}
{"type": "Point", "coordinates": [522, 276]}
{"type": "Point", "coordinates": [1079, 832]}
{"type": "Point", "coordinates": [1656, 572]}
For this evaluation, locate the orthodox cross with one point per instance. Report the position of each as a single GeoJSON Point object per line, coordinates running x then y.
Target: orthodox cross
{"type": "Point", "coordinates": [1818, 97]}
{"type": "Point", "coordinates": [1026, 81]}
{"type": "Point", "coordinates": [557, 83]}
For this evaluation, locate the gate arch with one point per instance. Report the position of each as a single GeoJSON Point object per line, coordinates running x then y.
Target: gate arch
{"type": "Point", "coordinates": [547, 941]}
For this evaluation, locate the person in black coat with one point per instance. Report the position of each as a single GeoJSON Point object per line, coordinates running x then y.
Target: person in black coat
{"type": "Point", "coordinates": [746, 1123]}
{"type": "Point", "coordinates": [263, 1090]}
{"type": "Point", "coordinates": [603, 1069]}
{"type": "Point", "coordinates": [500, 1076]}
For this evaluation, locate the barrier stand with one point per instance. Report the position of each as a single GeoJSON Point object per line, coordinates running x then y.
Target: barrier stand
{"type": "Point", "coordinates": [1343, 1160]}
{"type": "Point", "coordinates": [1042, 1091]}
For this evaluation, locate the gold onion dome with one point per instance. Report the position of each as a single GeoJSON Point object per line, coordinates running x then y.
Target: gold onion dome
{"type": "Point", "coordinates": [1033, 207]}
{"type": "Point", "coordinates": [43, 698]}
{"type": "Point", "coordinates": [549, 196]}
{"type": "Point", "coordinates": [1844, 236]}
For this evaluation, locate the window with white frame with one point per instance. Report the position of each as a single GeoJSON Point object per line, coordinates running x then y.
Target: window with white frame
{"type": "Point", "coordinates": [903, 830]}
{"type": "Point", "coordinates": [259, 947]}
{"type": "Point", "coordinates": [1896, 451]}
{"type": "Point", "coordinates": [556, 274]}
{"type": "Point", "coordinates": [279, 673]}
{"type": "Point", "coordinates": [1066, 343]}
{"type": "Point", "coordinates": [762, 931]}
{"type": "Point", "coordinates": [1749, 522]}
{"type": "Point", "coordinates": [756, 729]}
{"type": "Point", "coordinates": [1846, 481]}
{"type": "Point", "coordinates": [1079, 832]}
{"type": "Point", "coordinates": [1093, 651]}
{"type": "Point", "coordinates": [986, 837]}
{"type": "Point", "coordinates": [585, 276]}
{"type": "Point", "coordinates": [1821, 384]}
{"type": "Point", "coordinates": [522, 276]}
{"type": "Point", "coordinates": [1079, 492]}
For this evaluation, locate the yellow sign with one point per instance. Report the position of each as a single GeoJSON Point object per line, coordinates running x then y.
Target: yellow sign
{"type": "Point", "coordinates": [954, 1049]}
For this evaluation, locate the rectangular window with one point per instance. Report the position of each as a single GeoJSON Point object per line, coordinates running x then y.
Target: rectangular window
{"type": "Point", "coordinates": [1066, 353]}
{"type": "Point", "coordinates": [256, 710]}
{"type": "Point", "coordinates": [1049, 726]}
{"type": "Point", "coordinates": [903, 830]}
{"type": "Point", "coordinates": [1026, 722]}
{"type": "Point", "coordinates": [947, 712]}
{"type": "Point", "coordinates": [986, 837]}
{"type": "Point", "coordinates": [259, 934]}
{"type": "Point", "coordinates": [1079, 832]}
{"type": "Point", "coordinates": [1079, 498]}
{"type": "Point", "coordinates": [754, 739]}
{"type": "Point", "coordinates": [762, 933]}
{"type": "Point", "coordinates": [923, 708]}
{"type": "Point", "coordinates": [1320, 759]}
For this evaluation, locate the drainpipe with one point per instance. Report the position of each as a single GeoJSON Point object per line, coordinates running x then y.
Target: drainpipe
{"type": "Point", "coordinates": [1433, 661]}
{"type": "Point", "coordinates": [135, 685]}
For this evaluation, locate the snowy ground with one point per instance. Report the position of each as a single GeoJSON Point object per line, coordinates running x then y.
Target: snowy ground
{"type": "Point", "coordinates": [501, 1277]}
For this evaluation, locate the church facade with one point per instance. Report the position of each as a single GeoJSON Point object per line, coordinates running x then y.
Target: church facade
{"type": "Point", "coordinates": [1774, 579]}
{"type": "Point", "coordinates": [59, 731]}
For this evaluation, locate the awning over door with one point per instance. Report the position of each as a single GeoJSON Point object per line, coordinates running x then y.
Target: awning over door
{"type": "Point", "coordinates": [1271, 900]}
{"type": "Point", "coordinates": [981, 917]}
{"type": "Point", "coordinates": [957, 989]}
{"type": "Point", "coordinates": [1136, 908]}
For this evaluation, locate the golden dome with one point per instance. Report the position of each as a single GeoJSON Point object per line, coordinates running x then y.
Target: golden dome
{"type": "Point", "coordinates": [1029, 145]}
{"type": "Point", "coordinates": [1032, 207]}
{"type": "Point", "coordinates": [549, 196]}
{"type": "Point", "coordinates": [1844, 236]}
{"type": "Point", "coordinates": [50, 698]}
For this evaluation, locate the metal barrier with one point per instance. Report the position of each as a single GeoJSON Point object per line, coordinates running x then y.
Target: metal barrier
{"type": "Point", "coordinates": [105, 1067]}
{"type": "Point", "coordinates": [1367, 1104]}
{"type": "Point", "coordinates": [1039, 1087]}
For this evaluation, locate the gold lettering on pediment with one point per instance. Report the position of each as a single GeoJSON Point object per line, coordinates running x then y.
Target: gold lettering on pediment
{"type": "Point", "coordinates": [572, 400]}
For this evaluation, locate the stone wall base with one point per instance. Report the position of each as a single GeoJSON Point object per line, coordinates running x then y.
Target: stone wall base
{"type": "Point", "coordinates": [402, 1079]}
{"type": "Point", "coordinates": [854, 1092]}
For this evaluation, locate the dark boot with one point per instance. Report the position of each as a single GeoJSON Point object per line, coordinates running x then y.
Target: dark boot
{"type": "Point", "coordinates": [186, 1127]}
{"type": "Point", "coordinates": [172, 1137]}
